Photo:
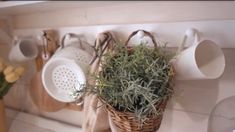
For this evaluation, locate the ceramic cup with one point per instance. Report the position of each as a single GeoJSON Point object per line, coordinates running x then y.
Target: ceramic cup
{"type": "Point", "coordinates": [203, 60]}
{"type": "Point", "coordinates": [23, 50]}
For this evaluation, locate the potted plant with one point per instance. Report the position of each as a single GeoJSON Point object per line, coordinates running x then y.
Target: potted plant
{"type": "Point", "coordinates": [135, 84]}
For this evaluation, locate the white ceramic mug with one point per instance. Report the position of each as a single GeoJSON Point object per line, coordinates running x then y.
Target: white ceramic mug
{"type": "Point", "coordinates": [203, 60]}
{"type": "Point", "coordinates": [23, 50]}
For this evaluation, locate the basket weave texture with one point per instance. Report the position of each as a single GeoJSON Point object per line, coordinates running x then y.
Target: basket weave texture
{"type": "Point", "coordinates": [127, 122]}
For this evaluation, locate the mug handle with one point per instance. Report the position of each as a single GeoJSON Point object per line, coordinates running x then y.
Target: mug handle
{"type": "Point", "coordinates": [191, 32]}
{"type": "Point", "coordinates": [15, 40]}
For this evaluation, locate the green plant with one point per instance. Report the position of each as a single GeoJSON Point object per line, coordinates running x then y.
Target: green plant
{"type": "Point", "coordinates": [135, 79]}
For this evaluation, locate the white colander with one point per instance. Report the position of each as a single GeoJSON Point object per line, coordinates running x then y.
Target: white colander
{"type": "Point", "coordinates": [66, 70]}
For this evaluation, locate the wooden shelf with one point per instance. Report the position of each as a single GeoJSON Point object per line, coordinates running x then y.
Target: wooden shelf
{"type": "Point", "coordinates": [220, 31]}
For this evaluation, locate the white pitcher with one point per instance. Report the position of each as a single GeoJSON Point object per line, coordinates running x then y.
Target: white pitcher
{"type": "Point", "coordinates": [23, 50]}
{"type": "Point", "coordinates": [203, 60]}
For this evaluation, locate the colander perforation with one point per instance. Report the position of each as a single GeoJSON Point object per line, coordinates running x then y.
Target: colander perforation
{"type": "Point", "coordinates": [64, 78]}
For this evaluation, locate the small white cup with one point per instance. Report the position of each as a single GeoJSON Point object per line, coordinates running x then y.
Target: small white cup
{"type": "Point", "coordinates": [203, 60]}
{"type": "Point", "coordinates": [23, 50]}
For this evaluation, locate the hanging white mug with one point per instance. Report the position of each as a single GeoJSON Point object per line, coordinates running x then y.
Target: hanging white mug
{"type": "Point", "coordinates": [23, 50]}
{"type": "Point", "coordinates": [203, 60]}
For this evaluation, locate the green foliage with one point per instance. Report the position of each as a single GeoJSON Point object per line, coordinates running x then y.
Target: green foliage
{"type": "Point", "coordinates": [4, 86]}
{"type": "Point", "coordinates": [135, 79]}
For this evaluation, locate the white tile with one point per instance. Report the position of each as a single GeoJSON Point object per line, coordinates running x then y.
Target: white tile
{"type": "Point", "coordinates": [65, 115]}
{"type": "Point", "coordinates": [195, 96]}
{"type": "Point", "coordinates": [9, 121]}
{"type": "Point", "coordinates": [179, 121]}
{"type": "Point", "coordinates": [33, 121]}
{"type": "Point", "coordinates": [227, 82]}
{"type": "Point", "coordinates": [20, 126]}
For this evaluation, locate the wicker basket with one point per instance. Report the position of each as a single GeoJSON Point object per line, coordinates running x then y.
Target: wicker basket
{"type": "Point", "coordinates": [126, 121]}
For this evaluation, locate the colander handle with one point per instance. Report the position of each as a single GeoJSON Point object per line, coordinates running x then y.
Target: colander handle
{"type": "Point", "coordinates": [71, 35]}
{"type": "Point", "coordinates": [88, 49]}
{"type": "Point", "coordinates": [142, 33]}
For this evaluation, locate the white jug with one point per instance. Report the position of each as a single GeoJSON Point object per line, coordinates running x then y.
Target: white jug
{"type": "Point", "coordinates": [203, 60]}
{"type": "Point", "coordinates": [23, 50]}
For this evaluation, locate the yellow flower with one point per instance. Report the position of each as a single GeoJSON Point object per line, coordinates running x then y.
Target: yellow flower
{"type": "Point", "coordinates": [19, 70]}
{"type": "Point", "coordinates": [8, 70]}
{"type": "Point", "coordinates": [12, 77]}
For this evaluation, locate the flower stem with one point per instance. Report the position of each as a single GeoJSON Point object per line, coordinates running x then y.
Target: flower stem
{"type": "Point", "coordinates": [2, 78]}
{"type": "Point", "coordinates": [5, 88]}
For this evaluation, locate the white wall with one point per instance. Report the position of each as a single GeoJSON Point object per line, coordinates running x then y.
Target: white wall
{"type": "Point", "coordinates": [87, 13]}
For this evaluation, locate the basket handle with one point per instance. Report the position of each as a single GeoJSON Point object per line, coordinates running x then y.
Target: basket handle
{"type": "Point", "coordinates": [142, 33]}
